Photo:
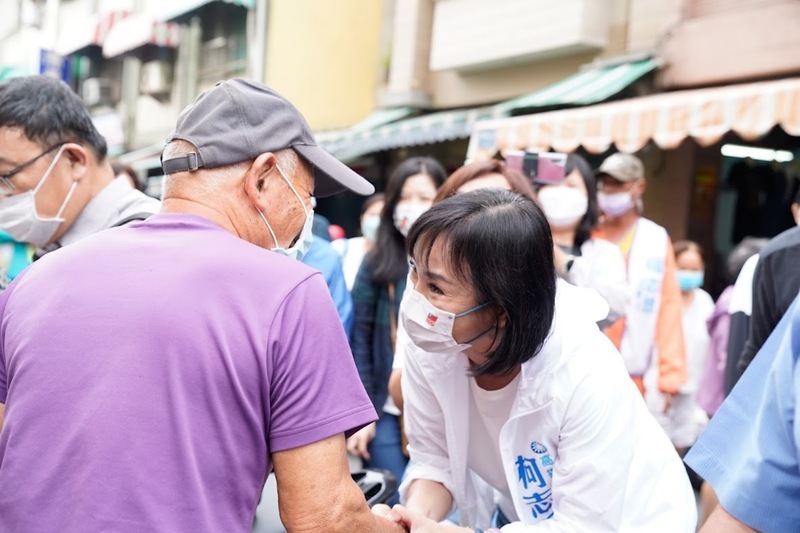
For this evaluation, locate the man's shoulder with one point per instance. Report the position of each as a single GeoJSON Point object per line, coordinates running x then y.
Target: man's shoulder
{"type": "Point", "coordinates": [649, 225]}
{"type": "Point", "coordinates": [135, 205]}
{"type": "Point", "coordinates": [786, 242]}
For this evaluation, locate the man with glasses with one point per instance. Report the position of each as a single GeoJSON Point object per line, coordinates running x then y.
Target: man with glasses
{"type": "Point", "coordinates": [56, 184]}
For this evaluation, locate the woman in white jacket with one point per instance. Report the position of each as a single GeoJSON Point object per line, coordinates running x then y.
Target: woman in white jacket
{"type": "Point", "coordinates": [516, 405]}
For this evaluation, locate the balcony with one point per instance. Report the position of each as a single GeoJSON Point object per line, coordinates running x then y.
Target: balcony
{"type": "Point", "coordinates": [474, 35]}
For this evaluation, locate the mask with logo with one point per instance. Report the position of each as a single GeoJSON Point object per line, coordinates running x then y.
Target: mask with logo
{"type": "Point", "coordinates": [615, 204]}
{"type": "Point", "coordinates": [430, 328]}
{"type": "Point", "coordinates": [18, 216]}
{"type": "Point", "coordinates": [406, 214]}
{"type": "Point", "coordinates": [303, 242]}
{"type": "Point", "coordinates": [369, 227]}
{"type": "Point", "coordinates": [564, 207]}
{"type": "Point", "coordinates": [690, 279]}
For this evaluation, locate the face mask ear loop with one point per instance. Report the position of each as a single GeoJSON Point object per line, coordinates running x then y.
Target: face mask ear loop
{"type": "Point", "coordinates": [468, 311]}
{"type": "Point", "coordinates": [302, 203]}
{"type": "Point", "coordinates": [49, 170]}
{"type": "Point", "coordinates": [66, 200]}
{"type": "Point", "coordinates": [270, 229]}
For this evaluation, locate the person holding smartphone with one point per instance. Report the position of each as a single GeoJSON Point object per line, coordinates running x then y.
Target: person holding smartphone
{"type": "Point", "coordinates": [569, 201]}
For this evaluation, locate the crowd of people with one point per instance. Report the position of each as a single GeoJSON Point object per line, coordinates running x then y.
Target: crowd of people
{"type": "Point", "coordinates": [519, 354]}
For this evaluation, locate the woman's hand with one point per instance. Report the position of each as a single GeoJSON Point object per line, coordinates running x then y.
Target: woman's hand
{"type": "Point", "coordinates": [358, 441]}
{"type": "Point", "coordinates": [415, 522]}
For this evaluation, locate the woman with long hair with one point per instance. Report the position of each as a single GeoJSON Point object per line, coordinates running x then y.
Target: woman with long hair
{"type": "Point", "coordinates": [377, 292]}
{"type": "Point", "coordinates": [580, 258]}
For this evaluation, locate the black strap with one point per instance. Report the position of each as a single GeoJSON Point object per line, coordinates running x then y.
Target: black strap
{"type": "Point", "coordinates": [184, 163]}
{"type": "Point", "coordinates": [132, 218]}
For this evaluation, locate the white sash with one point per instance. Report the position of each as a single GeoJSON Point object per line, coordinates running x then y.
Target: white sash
{"type": "Point", "coordinates": [645, 275]}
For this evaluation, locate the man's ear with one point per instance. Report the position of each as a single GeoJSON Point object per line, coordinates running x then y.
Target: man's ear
{"type": "Point", "coordinates": [78, 158]}
{"type": "Point", "coordinates": [258, 178]}
{"type": "Point", "coordinates": [641, 185]}
{"type": "Point", "coordinates": [796, 213]}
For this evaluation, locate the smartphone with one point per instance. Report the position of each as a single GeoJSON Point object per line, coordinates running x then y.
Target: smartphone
{"type": "Point", "coordinates": [542, 168]}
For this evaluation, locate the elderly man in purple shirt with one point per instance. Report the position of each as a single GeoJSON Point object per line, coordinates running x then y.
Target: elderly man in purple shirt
{"type": "Point", "coordinates": [154, 374]}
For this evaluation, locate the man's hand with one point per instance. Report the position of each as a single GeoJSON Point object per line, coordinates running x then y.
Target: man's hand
{"type": "Point", "coordinates": [359, 441]}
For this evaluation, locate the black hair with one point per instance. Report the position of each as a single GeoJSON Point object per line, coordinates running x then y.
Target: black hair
{"type": "Point", "coordinates": [369, 202]}
{"type": "Point", "coordinates": [482, 230]}
{"type": "Point", "coordinates": [589, 221]}
{"type": "Point", "coordinates": [387, 258]}
{"type": "Point", "coordinates": [748, 247]}
{"type": "Point", "coordinates": [124, 169]}
{"type": "Point", "coordinates": [48, 112]}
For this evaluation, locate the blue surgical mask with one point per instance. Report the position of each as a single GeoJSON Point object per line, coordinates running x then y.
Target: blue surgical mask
{"type": "Point", "coordinates": [300, 248]}
{"type": "Point", "coordinates": [369, 227]}
{"type": "Point", "coordinates": [690, 279]}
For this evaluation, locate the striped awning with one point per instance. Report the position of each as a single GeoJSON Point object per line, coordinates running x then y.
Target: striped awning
{"type": "Point", "coordinates": [91, 31]}
{"type": "Point", "coordinates": [705, 115]}
{"type": "Point", "coordinates": [426, 129]}
{"type": "Point", "coordinates": [331, 139]}
{"type": "Point", "coordinates": [175, 9]}
{"type": "Point", "coordinates": [139, 30]}
{"type": "Point", "coordinates": [589, 86]}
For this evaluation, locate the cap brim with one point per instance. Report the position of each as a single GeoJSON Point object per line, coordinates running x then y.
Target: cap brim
{"type": "Point", "coordinates": [600, 172]}
{"type": "Point", "coordinates": [331, 176]}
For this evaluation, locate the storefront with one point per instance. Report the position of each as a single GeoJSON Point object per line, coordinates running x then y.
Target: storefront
{"type": "Point", "coordinates": [680, 136]}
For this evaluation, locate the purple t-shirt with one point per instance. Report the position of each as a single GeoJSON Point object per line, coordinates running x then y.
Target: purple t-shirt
{"type": "Point", "coordinates": [149, 371]}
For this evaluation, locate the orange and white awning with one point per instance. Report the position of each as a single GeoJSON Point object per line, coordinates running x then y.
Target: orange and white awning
{"type": "Point", "coordinates": [705, 115]}
{"type": "Point", "coordinates": [139, 30]}
{"type": "Point", "coordinates": [91, 31]}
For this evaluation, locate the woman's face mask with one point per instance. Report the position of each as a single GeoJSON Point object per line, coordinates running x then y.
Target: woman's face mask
{"type": "Point", "coordinates": [563, 206]}
{"type": "Point", "coordinates": [406, 214]}
{"type": "Point", "coordinates": [690, 279]}
{"type": "Point", "coordinates": [369, 227]}
{"type": "Point", "coordinates": [431, 328]}
{"type": "Point", "coordinates": [303, 242]}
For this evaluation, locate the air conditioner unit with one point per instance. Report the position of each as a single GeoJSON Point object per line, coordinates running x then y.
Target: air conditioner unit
{"type": "Point", "coordinates": [99, 91]}
{"type": "Point", "coordinates": [156, 79]}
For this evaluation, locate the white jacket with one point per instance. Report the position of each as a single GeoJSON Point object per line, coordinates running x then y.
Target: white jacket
{"type": "Point", "coordinates": [593, 457]}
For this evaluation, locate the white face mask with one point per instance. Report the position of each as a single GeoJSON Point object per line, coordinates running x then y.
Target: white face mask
{"type": "Point", "coordinates": [564, 207]}
{"type": "Point", "coordinates": [406, 214]}
{"type": "Point", "coordinates": [369, 227]}
{"type": "Point", "coordinates": [300, 248]}
{"type": "Point", "coordinates": [430, 328]}
{"type": "Point", "coordinates": [18, 216]}
{"type": "Point", "coordinates": [615, 205]}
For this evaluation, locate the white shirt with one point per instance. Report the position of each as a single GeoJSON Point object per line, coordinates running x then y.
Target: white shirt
{"type": "Point", "coordinates": [601, 267]}
{"type": "Point", "coordinates": [488, 412]}
{"type": "Point", "coordinates": [580, 451]}
{"type": "Point", "coordinates": [696, 338]}
{"type": "Point", "coordinates": [352, 252]}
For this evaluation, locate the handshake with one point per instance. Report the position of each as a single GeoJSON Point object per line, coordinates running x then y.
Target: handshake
{"type": "Point", "coordinates": [404, 520]}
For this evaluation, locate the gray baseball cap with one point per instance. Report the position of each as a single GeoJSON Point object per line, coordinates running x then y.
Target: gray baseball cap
{"type": "Point", "coordinates": [239, 119]}
{"type": "Point", "coordinates": [623, 167]}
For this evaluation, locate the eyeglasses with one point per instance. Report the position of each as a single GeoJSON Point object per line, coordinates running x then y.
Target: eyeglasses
{"type": "Point", "coordinates": [6, 187]}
